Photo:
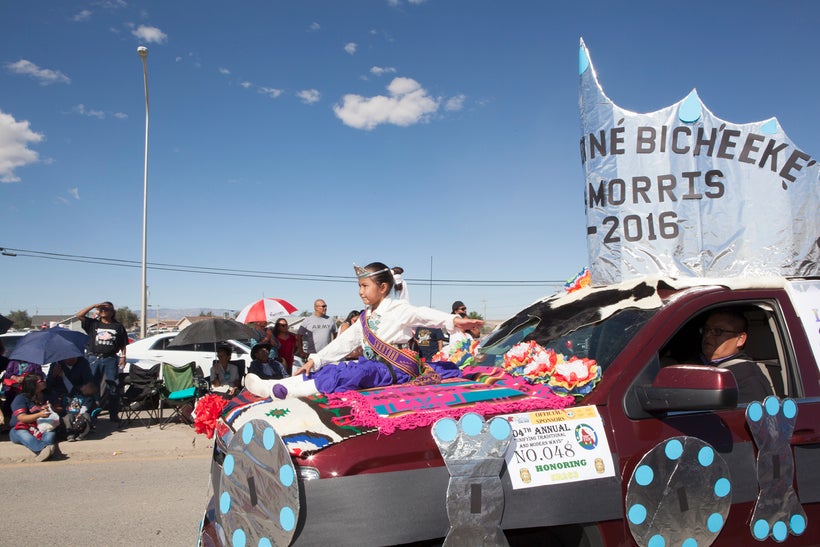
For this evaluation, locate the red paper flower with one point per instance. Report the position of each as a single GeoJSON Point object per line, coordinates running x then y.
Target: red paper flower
{"type": "Point", "coordinates": [207, 412]}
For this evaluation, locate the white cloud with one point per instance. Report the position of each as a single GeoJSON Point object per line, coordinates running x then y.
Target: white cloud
{"type": "Point", "coordinates": [381, 70]}
{"type": "Point", "coordinates": [46, 76]}
{"type": "Point", "coordinates": [120, 115]}
{"type": "Point", "coordinates": [83, 15]}
{"type": "Point", "coordinates": [150, 35]}
{"type": "Point", "coordinates": [14, 152]}
{"type": "Point", "coordinates": [271, 92]}
{"type": "Point", "coordinates": [75, 193]}
{"type": "Point", "coordinates": [309, 96]}
{"type": "Point", "coordinates": [90, 112]}
{"type": "Point", "coordinates": [224, 71]}
{"type": "Point", "coordinates": [246, 85]}
{"type": "Point", "coordinates": [455, 103]}
{"type": "Point", "coordinates": [314, 26]}
{"type": "Point", "coordinates": [407, 104]}
{"type": "Point", "coordinates": [350, 47]}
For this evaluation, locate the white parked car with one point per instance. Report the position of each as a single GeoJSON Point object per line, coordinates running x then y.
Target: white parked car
{"type": "Point", "coordinates": [156, 348]}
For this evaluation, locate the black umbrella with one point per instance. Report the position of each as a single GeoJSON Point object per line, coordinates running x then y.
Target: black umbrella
{"type": "Point", "coordinates": [5, 323]}
{"type": "Point", "coordinates": [213, 330]}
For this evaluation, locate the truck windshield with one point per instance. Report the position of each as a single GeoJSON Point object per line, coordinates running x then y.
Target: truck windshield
{"type": "Point", "coordinates": [572, 330]}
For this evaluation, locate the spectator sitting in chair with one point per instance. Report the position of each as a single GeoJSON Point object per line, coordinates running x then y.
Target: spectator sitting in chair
{"type": "Point", "coordinates": [263, 366]}
{"type": "Point", "coordinates": [224, 374]}
{"type": "Point", "coordinates": [724, 336]}
{"type": "Point", "coordinates": [73, 395]}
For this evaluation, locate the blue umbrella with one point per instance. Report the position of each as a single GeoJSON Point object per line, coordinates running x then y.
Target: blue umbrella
{"type": "Point", "coordinates": [49, 346]}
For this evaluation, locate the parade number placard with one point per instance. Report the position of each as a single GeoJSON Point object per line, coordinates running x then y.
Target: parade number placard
{"type": "Point", "coordinates": [558, 446]}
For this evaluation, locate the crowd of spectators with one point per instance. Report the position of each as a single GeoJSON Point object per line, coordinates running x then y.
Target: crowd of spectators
{"type": "Point", "coordinates": [39, 408]}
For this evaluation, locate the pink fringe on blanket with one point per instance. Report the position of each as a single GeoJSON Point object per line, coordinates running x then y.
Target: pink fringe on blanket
{"type": "Point", "coordinates": [364, 415]}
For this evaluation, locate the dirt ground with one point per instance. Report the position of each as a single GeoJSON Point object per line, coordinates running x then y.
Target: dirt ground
{"type": "Point", "coordinates": [130, 440]}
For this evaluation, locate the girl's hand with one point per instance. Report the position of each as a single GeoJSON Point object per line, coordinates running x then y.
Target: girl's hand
{"type": "Point", "coordinates": [306, 368]}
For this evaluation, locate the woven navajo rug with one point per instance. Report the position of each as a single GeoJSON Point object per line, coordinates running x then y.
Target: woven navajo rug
{"type": "Point", "coordinates": [483, 390]}
{"type": "Point", "coordinates": [306, 425]}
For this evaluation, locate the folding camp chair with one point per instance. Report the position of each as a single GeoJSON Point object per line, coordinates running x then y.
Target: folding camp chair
{"type": "Point", "coordinates": [140, 397]}
{"type": "Point", "coordinates": [179, 392]}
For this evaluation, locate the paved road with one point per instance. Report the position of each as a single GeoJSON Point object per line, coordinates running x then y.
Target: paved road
{"type": "Point", "coordinates": [137, 486]}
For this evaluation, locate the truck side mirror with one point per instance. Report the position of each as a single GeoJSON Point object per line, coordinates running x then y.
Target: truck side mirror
{"type": "Point", "coordinates": [689, 387]}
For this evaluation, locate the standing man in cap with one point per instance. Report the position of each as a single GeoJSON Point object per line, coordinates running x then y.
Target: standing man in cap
{"type": "Point", "coordinates": [106, 338]}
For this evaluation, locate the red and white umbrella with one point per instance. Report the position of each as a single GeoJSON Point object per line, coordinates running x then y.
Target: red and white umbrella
{"type": "Point", "coordinates": [265, 310]}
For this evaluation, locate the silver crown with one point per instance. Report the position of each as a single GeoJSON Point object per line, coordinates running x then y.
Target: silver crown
{"type": "Point", "coordinates": [362, 273]}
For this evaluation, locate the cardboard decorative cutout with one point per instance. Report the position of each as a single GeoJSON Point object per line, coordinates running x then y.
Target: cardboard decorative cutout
{"type": "Point", "coordinates": [778, 512]}
{"type": "Point", "coordinates": [473, 451]}
{"type": "Point", "coordinates": [258, 500]}
{"type": "Point", "coordinates": [680, 192]}
{"type": "Point", "coordinates": [679, 494]}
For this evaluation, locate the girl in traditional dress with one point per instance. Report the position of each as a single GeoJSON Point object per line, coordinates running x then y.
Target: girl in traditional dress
{"type": "Point", "coordinates": [382, 333]}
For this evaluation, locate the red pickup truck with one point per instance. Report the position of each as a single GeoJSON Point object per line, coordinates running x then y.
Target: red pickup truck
{"type": "Point", "coordinates": [386, 489]}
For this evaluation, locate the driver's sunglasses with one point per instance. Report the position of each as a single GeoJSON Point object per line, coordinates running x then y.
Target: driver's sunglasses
{"type": "Point", "coordinates": [716, 331]}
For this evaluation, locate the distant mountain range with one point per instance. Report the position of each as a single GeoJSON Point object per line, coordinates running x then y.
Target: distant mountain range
{"type": "Point", "coordinates": [175, 314]}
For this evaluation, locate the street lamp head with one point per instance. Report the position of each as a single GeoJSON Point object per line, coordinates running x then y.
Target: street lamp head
{"type": "Point", "coordinates": [142, 51]}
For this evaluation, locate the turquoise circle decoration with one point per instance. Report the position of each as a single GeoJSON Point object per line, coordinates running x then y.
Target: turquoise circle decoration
{"type": "Point", "coordinates": [789, 408]}
{"type": "Point", "coordinates": [446, 429]}
{"type": "Point", "coordinates": [760, 529]}
{"type": "Point", "coordinates": [644, 475]}
{"type": "Point", "coordinates": [258, 491]}
{"type": "Point", "coordinates": [637, 514]}
{"type": "Point", "coordinates": [500, 428]}
{"type": "Point", "coordinates": [268, 438]}
{"type": "Point", "coordinates": [780, 531]}
{"type": "Point", "coordinates": [798, 524]}
{"type": "Point", "coordinates": [583, 61]}
{"type": "Point", "coordinates": [673, 449]}
{"type": "Point", "coordinates": [754, 411]}
{"type": "Point", "coordinates": [678, 494]}
{"type": "Point", "coordinates": [227, 465]}
{"type": "Point", "coordinates": [706, 456]}
{"type": "Point", "coordinates": [472, 424]}
{"type": "Point", "coordinates": [772, 405]}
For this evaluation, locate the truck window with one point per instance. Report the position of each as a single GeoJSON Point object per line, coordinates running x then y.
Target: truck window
{"type": "Point", "coordinates": [764, 341]}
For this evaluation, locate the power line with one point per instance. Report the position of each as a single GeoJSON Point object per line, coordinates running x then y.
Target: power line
{"type": "Point", "coordinates": [207, 270]}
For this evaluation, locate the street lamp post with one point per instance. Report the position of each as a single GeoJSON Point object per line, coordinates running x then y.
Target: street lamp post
{"type": "Point", "coordinates": [142, 51]}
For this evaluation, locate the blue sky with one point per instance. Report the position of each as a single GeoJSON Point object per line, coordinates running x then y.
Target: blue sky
{"type": "Point", "coordinates": [298, 137]}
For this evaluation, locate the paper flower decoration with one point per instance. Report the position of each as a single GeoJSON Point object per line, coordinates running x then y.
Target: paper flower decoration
{"type": "Point", "coordinates": [583, 279]}
{"type": "Point", "coordinates": [207, 412]}
{"type": "Point", "coordinates": [461, 353]}
{"type": "Point", "coordinates": [565, 376]}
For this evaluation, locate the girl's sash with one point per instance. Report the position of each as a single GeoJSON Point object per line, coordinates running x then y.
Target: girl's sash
{"type": "Point", "coordinates": [391, 354]}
